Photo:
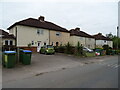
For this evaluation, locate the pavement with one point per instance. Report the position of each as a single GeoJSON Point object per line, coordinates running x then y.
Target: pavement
{"type": "Point", "coordinates": [43, 64]}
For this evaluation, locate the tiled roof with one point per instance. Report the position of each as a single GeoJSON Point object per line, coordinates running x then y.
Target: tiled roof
{"type": "Point", "coordinates": [99, 36]}
{"type": "Point", "coordinates": [39, 24]}
{"type": "Point", "coordinates": [74, 32]}
{"type": "Point", "coordinates": [6, 34]}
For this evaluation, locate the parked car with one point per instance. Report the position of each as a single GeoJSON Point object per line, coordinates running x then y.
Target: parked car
{"type": "Point", "coordinates": [87, 49]}
{"type": "Point", "coordinates": [47, 49]}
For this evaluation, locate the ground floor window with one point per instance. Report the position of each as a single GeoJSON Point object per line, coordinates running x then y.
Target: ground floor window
{"type": "Point", "coordinates": [11, 42]}
{"type": "Point", "coordinates": [6, 42]}
{"type": "Point", "coordinates": [44, 43]}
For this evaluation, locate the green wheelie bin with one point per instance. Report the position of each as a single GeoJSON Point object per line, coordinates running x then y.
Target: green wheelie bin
{"type": "Point", "coordinates": [9, 59]}
{"type": "Point", "coordinates": [26, 57]}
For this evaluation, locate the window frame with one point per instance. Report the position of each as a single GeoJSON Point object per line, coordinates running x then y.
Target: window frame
{"type": "Point", "coordinates": [58, 33]}
{"type": "Point", "coordinates": [10, 42]}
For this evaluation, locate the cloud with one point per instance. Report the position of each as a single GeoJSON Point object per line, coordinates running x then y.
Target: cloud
{"type": "Point", "coordinates": [91, 17]}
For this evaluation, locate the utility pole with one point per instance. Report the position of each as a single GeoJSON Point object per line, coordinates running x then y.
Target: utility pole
{"type": "Point", "coordinates": [117, 35]}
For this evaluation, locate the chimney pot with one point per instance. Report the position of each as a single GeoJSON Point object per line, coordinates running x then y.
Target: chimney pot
{"type": "Point", "coordinates": [41, 18]}
{"type": "Point", "coordinates": [77, 29]}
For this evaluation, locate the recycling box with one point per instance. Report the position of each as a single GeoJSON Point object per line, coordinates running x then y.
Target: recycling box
{"type": "Point", "coordinates": [9, 59]}
{"type": "Point", "coordinates": [26, 57]}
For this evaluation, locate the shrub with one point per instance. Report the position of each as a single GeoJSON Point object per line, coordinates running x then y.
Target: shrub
{"type": "Point", "coordinates": [108, 49]}
{"type": "Point", "coordinates": [61, 49]}
{"type": "Point", "coordinates": [68, 48]}
{"type": "Point", "coordinates": [78, 49]}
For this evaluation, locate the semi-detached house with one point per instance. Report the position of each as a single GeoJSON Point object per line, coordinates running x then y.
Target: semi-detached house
{"type": "Point", "coordinates": [38, 32]}
{"type": "Point", "coordinates": [101, 40]}
{"type": "Point", "coordinates": [7, 41]}
{"type": "Point", "coordinates": [76, 35]}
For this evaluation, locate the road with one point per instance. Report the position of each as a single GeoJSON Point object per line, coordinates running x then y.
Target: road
{"type": "Point", "coordinates": [102, 74]}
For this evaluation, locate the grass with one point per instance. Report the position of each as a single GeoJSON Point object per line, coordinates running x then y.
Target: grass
{"type": "Point", "coordinates": [90, 54]}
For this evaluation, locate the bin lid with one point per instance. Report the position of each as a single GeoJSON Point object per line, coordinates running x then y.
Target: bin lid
{"type": "Point", "coordinates": [9, 51]}
{"type": "Point", "coordinates": [27, 51]}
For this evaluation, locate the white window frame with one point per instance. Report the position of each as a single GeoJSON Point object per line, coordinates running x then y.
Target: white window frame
{"type": "Point", "coordinates": [40, 31]}
{"type": "Point", "coordinates": [9, 42]}
{"type": "Point", "coordinates": [58, 33]}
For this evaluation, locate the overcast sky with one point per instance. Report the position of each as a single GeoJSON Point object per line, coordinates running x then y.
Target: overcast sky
{"type": "Point", "coordinates": [92, 16]}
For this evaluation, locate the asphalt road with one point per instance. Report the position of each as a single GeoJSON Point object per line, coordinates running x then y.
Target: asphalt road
{"type": "Point", "coordinates": [91, 75]}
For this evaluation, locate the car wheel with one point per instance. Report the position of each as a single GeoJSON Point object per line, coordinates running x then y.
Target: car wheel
{"type": "Point", "coordinates": [40, 52]}
{"type": "Point", "coordinates": [45, 53]}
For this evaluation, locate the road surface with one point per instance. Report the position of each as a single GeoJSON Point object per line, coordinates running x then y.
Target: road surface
{"type": "Point", "coordinates": [102, 74]}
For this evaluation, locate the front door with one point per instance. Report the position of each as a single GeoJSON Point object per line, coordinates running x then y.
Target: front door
{"type": "Point", "coordinates": [38, 46]}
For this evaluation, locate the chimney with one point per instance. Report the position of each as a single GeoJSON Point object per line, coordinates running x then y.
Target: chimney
{"type": "Point", "coordinates": [41, 18]}
{"type": "Point", "coordinates": [77, 29]}
{"type": "Point", "coordinates": [99, 33]}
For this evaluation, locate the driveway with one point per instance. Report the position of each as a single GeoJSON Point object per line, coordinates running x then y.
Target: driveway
{"type": "Point", "coordinates": [46, 63]}
{"type": "Point", "coordinates": [40, 64]}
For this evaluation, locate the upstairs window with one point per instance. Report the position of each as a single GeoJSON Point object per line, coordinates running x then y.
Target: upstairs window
{"type": "Point", "coordinates": [58, 33]}
{"type": "Point", "coordinates": [89, 39]}
{"type": "Point", "coordinates": [40, 31]}
{"type": "Point", "coordinates": [104, 41]}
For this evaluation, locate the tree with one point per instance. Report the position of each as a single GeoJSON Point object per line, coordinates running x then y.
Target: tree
{"type": "Point", "coordinates": [116, 42]}
{"type": "Point", "coordinates": [109, 35]}
{"type": "Point", "coordinates": [115, 39]}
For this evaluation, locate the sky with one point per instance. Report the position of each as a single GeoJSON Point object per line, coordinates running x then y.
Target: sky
{"type": "Point", "coordinates": [91, 16]}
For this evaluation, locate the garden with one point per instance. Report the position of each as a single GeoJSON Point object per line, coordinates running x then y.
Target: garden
{"type": "Point", "coordinates": [79, 50]}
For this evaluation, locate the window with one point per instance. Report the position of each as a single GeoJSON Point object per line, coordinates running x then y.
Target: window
{"type": "Point", "coordinates": [6, 42]}
{"type": "Point", "coordinates": [44, 43]}
{"type": "Point", "coordinates": [58, 33]}
{"type": "Point", "coordinates": [81, 38]}
{"type": "Point", "coordinates": [89, 39]}
{"type": "Point", "coordinates": [32, 42]}
{"type": "Point", "coordinates": [104, 41]}
{"type": "Point", "coordinates": [11, 42]}
{"type": "Point", "coordinates": [40, 31]}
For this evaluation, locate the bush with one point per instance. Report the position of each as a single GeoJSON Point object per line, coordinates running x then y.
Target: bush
{"type": "Point", "coordinates": [108, 49]}
{"type": "Point", "coordinates": [68, 48]}
{"type": "Point", "coordinates": [78, 50]}
{"type": "Point", "coordinates": [60, 49]}
{"type": "Point", "coordinates": [117, 51]}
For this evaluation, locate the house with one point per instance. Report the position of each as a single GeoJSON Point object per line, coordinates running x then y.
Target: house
{"type": "Point", "coordinates": [102, 40]}
{"type": "Point", "coordinates": [76, 35]}
{"type": "Point", "coordinates": [38, 32]}
{"type": "Point", "coordinates": [7, 40]}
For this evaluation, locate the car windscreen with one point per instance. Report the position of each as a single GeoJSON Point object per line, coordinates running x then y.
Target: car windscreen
{"type": "Point", "coordinates": [49, 46]}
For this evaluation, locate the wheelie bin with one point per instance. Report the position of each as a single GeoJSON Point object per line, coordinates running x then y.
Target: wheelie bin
{"type": "Point", "coordinates": [9, 59]}
{"type": "Point", "coordinates": [26, 57]}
